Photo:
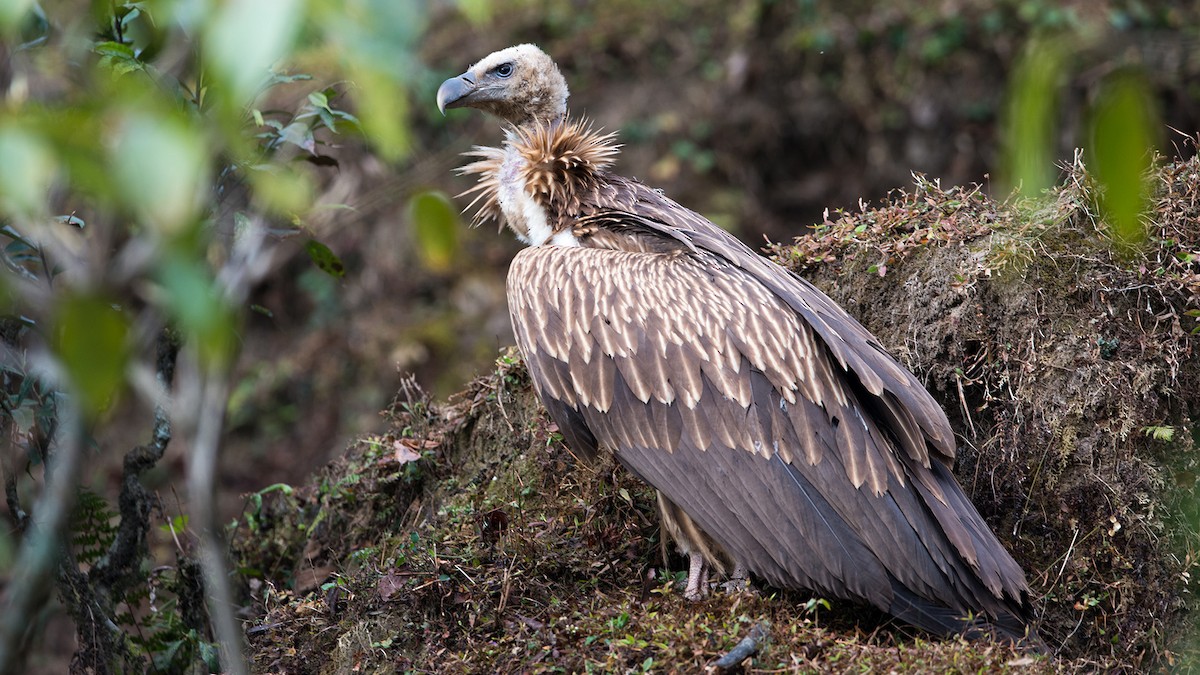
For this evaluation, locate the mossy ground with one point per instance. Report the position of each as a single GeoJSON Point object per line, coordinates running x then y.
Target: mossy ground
{"type": "Point", "coordinates": [469, 539]}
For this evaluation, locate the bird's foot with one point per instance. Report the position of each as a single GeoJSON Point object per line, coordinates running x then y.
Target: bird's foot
{"type": "Point", "coordinates": [739, 581]}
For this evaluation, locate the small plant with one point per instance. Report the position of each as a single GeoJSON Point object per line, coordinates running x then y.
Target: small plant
{"type": "Point", "coordinates": [1164, 434]}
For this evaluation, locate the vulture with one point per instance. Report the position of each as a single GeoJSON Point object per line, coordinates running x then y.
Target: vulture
{"type": "Point", "coordinates": [781, 437]}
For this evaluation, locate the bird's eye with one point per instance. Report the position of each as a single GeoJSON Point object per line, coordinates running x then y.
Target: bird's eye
{"type": "Point", "coordinates": [503, 70]}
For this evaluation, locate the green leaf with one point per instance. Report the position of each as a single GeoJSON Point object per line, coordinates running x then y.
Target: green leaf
{"type": "Point", "coordinates": [277, 487]}
{"type": "Point", "coordinates": [299, 135]}
{"type": "Point", "coordinates": [120, 58]}
{"type": "Point", "coordinates": [113, 49]}
{"type": "Point", "coordinates": [177, 525]}
{"type": "Point", "coordinates": [1123, 126]}
{"type": "Point", "coordinates": [243, 40]}
{"type": "Point", "coordinates": [280, 78]}
{"type": "Point", "coordinates": [1165, 434]}
{"type": "Point", "coordinates": [12, 12]}
{"type": "Point", "coordinates": [161, 167]}
{"type": "Point", "coordinates": [90, 340]}
{"type": "Point", "coordinates": [319, 100]}
{"type": "Point", "coordinates": [191, 297]}
{"type": "Point", "coordinates": [478, 12]}
{"type": "Point", "coordinates": [23, 418]}
{"type": "Point", "coordinates": [211, 657]}
{"type": "Point", "coordinates": [325, 259]}
{"type": "Point", "coordinates": [435, 227]}
{"type": "Point", "coordinates": [1027, 130]}
{"type": "Point", "coordinates": [26, 172]}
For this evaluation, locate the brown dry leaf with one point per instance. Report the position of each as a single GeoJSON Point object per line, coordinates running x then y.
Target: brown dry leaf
{"type": "Point", "coordinates": [308, 578]}
{"type": "Point", "coordinates": [404, 452]}
{"type": "Point", "coordinates": [389, 585]}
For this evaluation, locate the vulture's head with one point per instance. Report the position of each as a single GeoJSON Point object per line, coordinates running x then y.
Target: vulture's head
{"type": "Point", "coordinates": [519, 85]}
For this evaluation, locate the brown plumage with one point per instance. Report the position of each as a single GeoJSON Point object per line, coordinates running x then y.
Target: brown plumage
{"type": "Point", "coordinates": [779, 433]}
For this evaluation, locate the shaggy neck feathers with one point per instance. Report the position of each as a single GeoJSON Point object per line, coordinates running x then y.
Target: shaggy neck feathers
{"type": "Point", "coordinates": [542, 178]}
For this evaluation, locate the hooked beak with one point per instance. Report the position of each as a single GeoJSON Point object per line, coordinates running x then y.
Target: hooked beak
{"type": "Point", "coordinates": [455, 92]}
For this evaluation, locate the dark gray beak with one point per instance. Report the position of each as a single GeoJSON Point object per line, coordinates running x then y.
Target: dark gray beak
{"type": "Point", "coordinates": [455, 91]}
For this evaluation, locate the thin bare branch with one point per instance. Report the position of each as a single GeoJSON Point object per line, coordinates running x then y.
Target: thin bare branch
{"type": "Point", "coordinates": [43, 544]}
{"type": "Point", "coordinates": [201, 473]}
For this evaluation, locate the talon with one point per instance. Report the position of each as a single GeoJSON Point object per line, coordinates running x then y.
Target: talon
{"type": "Point", "coordinates": [739, 581]}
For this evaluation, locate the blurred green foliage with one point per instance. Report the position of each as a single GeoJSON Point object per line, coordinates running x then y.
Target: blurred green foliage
{"type": "Point", "coordinates": [91, 338]}
{"type": "Point", "coordinates": [1120, 140]}
{"type": "Point", "coordinates": [1031, 116]}
{"type": "Point", "coordinates": [435, 225]}
{"type": "Point", "coordinates": [144, 117]}
{"type": "Point", "coordinates": [150, 154]}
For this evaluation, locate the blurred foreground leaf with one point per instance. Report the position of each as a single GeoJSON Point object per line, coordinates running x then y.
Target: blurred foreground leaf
{"type": "Point", "coordinates": [90, 338]}
{"type": "Point", "coordinates": [383, 111]}
{"type": "Point", "coordinates": [12, 12]}
{"type": "Point", "coordinates": [26, 171]}
{"type": "Point", "coordinates": [193, 300]}
{"type": "Point", "coordinates": [377, 39]}
{"type": "Point", "coordinates": [162, 168]}
{"type": "Point", "coordinates": [282, 189]}
{"type": "Point", "coordinates": [1027, 131]}
{"type": "Point", "coordinates": [1123, 129]}
{"type": "Point", "coordinates": [435, 226]}
{"type": "Point", "coordinates": [477, 12]}
{"type": "Point", "coordinates": [245, 37]}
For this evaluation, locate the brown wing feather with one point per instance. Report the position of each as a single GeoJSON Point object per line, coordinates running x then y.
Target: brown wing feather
{"type": "Point", "coordinates": [851, 345]}
{"type": "Point", "coordinates": [863, 520]}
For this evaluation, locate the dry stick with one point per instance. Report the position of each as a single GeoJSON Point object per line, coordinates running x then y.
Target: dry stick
{"type": "Point", "coordinates": [128, 547]}
{"type": "Point", "coordinates": [249, 261]}
{"type": "Point", "coordinates": [748, 647]}
{"type": "Point", "coordinates": [43, 544]}
{"type": "Point", "coordinates": [201, 472]}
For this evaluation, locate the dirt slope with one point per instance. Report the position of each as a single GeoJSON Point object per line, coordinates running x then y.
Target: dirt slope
{"type": "Point", "coordinates": [468, 539]}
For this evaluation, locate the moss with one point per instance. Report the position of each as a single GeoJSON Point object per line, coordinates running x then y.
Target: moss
{"type": "Point", "coordinates": [469, 539]}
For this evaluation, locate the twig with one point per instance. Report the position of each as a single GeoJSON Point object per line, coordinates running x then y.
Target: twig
{"type": "Point", "coordinates": [1067, 557]}
{"type": "Point", "coordinates": [962, 400]}
{"type": "Point", "coordinates": [249, 261]}
{"type": "Point", "coordinates": [201, 472]}
{"type": "Point", "coordinates": [90, 596]}
{"type": "Point", "coordinates": [14, 501]}
{"type": "Point", "coordinates": [121, 563]}
{"type": "Point", "coordinates": [39, 552]}
{"type": "Point", "coordinates": [745, 649]}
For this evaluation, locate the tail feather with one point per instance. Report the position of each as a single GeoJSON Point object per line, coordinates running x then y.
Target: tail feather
{"type": "Point", "coordinates": [945, 621]}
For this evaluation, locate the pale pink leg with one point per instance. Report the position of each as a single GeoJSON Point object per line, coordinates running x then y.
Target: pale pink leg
{"type": "Point", "coordinates": [697, 585]}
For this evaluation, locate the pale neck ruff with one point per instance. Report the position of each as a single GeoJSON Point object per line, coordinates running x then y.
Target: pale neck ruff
{"type": "Point", "coordinates": [525, 216]}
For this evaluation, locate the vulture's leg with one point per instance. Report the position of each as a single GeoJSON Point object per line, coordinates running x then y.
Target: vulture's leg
{"type": "Point", "coordinates": [697, 585]}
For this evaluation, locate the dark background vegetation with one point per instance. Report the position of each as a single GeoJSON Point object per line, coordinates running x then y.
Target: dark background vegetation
{"type": "Point", "coordinates": [767, 117]}
{"type": "Point", "coordinates": [760, 115]}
